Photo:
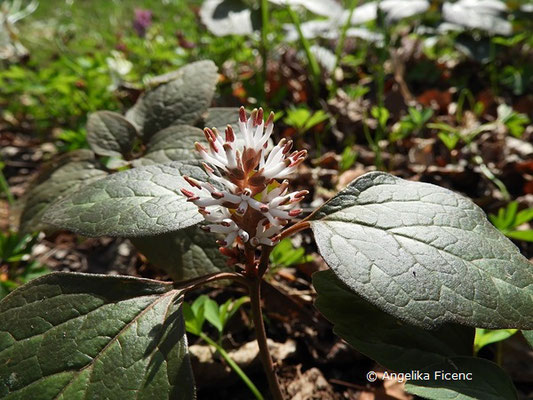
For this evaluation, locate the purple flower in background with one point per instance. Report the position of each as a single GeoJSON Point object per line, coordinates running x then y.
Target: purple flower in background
{"type": "Point", "coordinates": [142, 21]}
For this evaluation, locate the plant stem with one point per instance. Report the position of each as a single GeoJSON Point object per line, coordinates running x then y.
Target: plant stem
{"type": "Point", "coordinates": [374, 144]}
{"type": "Point", "coordinates": [264, 43]}
{"type": "Point", "coordinates": [380, 78]}
{"type": "Point", "coordinates": [264, 354]}
{"type": "Point", "coordinates": [313, 65]}
{"type": "Point", "coordinates": [4, 187]}
{"type": "Point", "coordinates": [485, 170]}
{"type": "Point", "coordinates": [300, 226]}
{"type": "Point", "coordinates": [264, 261]}
{"type": "Point", "coordinates": [233, 365]}
{"type": "Point", "coordinates": [340, 45]}
{"type": "Point", "coordinates": [193, 283]}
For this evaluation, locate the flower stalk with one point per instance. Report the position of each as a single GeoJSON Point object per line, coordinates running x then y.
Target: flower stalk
{"type": "Point", "coordinates": [248, 202]}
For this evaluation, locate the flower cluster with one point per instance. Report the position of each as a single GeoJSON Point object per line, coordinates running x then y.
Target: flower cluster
{"type": "Point", "coordinates": [251, 204]}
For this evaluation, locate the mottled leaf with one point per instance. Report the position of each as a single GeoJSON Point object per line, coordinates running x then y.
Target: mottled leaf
{"type": "Point", "coordinates": [487, 15]}
{"type": "Point", "coordinates": [180, 100]}
{"type": "Point", "coordinates": [325, 8]}
{"type": "Point", "coordinates": [55, 184]}
{"type": "Point", "coordinates": [110, 134]}
{"type": "Point", "coordinates": [185, 254]}
{"type": "Point", "coordinates": [175, 143]}
{"type": "Point", "coordinates": [396, 10]}
{"type": "Point", "coordinates": [391, 342]}
{"type": "Point", "coordinates": [325, 57]}
{"type": "Point", "coordinates": [138, 202]}
{"type": "Point", "coordinates": [393, 10]}
{"type": "Point", "coordinates": [487, 381]}
{"type": "Point", "coordinates": [424, 254]}
{"type": "Point", "coordinates": [312, 29]}
{"type": "Point", "coordinates": [81, 336]}
{"type": "Point", "coordinates": [228, 17]}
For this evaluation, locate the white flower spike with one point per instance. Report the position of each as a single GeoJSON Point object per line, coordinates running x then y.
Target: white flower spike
{"type": "Point", "coordinates": [253, 207]}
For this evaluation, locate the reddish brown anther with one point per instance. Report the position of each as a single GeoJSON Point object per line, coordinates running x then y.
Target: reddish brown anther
{"type": "Point", "coordinates": [301, 194]}
{"type": "Point", "coordinates": [287, 147]}
{"type": "Point", "coordinates": [187, 193]}
{"type": "Point", "coordinates": [207, 168]}
{"type": "Point", "coordinates": [192, 182]}
{"type": "Point", "coordinates": [253, 116]}
{"type": "Point", "coordinates": [200, 148]}
{"type": "Point", "coordinates": [242, 114]}
{"type": "Point", "coordinates": [295, 212]}
{"type": "Point", "coordinates": [230, 135]}
{"type": "Point", "coordinates": [285, 201]}
{"type": "Point", "coordinates": [270, 119]}
{"type": "Point", "coordinates": [259, 118]}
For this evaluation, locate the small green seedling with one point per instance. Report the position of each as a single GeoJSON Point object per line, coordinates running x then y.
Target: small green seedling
{"type": "Point", "coordinates": [204, 308]}
{"type": "Point", "coordinates": [348, 158]}
{"type": "Point", "coordinates": [15, 252]}
{"type": "Point", "coordinates": [381, 114]}
{"type": "Point", "coordinates": [509, 219]}
{"type": "Point", "coordinates": [303, 119]}
{"type": "Point", "coordinates": [4, 187]}
{"type": "Point", "coordinates": [485, 337]}
{"type": "Point", "coordinates": [286, 255]}
{"type": "Point", "coordinates": [515, 122]}
{"type": "Point", "coordinates": [411, 124]}
{"type": "Point", "coordinates": [450, 139]}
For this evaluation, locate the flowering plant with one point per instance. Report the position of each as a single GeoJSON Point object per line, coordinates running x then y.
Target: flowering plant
{"type": "Point", "coordinates": [409, 262]}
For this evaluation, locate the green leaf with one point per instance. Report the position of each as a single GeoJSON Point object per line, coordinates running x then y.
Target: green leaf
{"type": "Point", "coordinates": [297, 117]}
{"type": "Point", "coordinates": [424, 254]}
{"type": "Point", "coordinates": [450, 140]}
{"type": "Point", "coordinates": [510, 214]}
{"type": "Point", "coordinates": [78, 336]}
{"type": "Point", "coordinates": [138, 202]}
{"type": "Point", "coordinates": [348, 158]}
{"type": "Point", "coordinates": [194, 253]}
{"type": "Point", "coordinates": [285, 254]}
{"type": "Point", "coordinates": [212, 314]}
{"type": "Point", "coordinates": [194, 319]}
{"type": "Point", "coordinates": [488, 381]}
{"type": "Point", "coordinates": [220, 117]}
{"type": "Point", "coordinates": [175, 143]}
{"type": "Point", "coordinates": [230, 307]}
{"type": "Point", "coordinates": [526, 235]}
{"type": "Point", "coordinates": [315, 119]}
{"type": "Point", "coordinates": [110, 134]}
{"type": "Point", "coordinates": [181, 100]}
{"type": "Point", "coordinates": [381, 114]}
{"type": "Point", "coordinates": [485, 337]}
{"type": "Point", "coordinates": [53, 185]}
{"type": "Point", "coordinates": [389, 341]}
{"type": "Point", "coordinates": [524, 216]}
